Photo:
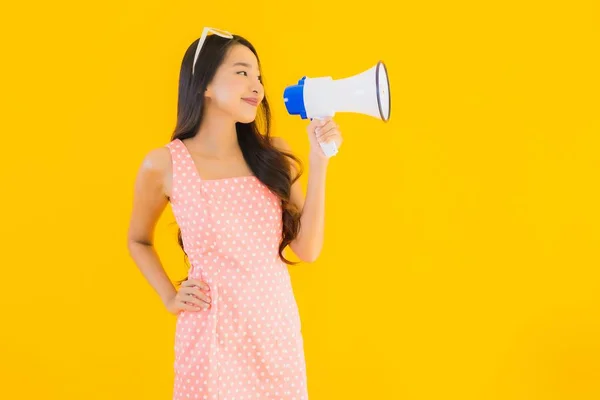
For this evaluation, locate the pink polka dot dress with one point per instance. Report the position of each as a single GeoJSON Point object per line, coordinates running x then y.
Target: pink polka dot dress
{"type": "Point", "coordinates": [248, 344]}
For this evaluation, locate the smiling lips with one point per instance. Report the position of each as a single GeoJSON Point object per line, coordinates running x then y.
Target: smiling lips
{"type": "Point", "coordinates": [251, 100]}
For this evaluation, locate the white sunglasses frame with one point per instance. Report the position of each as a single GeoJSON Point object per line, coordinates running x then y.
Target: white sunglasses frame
{"type": "Point", "coordinates": [205, 32]}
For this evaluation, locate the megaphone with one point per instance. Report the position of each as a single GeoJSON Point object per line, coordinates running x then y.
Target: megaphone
{"type": "Point", "coordinates": [366, 93]}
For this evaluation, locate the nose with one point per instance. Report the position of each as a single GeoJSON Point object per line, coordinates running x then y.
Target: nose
{"type": "Point", "coordinates": [257, 91]}
{"type": "Point", "coordinates": [257, 87]}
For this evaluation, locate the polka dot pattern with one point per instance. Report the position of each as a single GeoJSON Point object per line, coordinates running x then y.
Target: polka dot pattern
{"type": "Point", "coordinates": [248, 344]}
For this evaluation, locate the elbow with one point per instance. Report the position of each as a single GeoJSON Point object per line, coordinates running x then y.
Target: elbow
{"type": "Point", "coordinates": [133, 244]}
{"type": "Point", "coordinates": [310, 258]}
{"type": "Point", "coordinates": [307, 254]}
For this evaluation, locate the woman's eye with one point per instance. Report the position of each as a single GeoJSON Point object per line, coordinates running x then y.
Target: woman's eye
{"type": "Point", "coordinates": [243, 72]}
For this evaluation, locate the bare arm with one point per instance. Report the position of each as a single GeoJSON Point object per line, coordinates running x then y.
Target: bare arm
{"type": "Point", "coordinates": [149, 202]}
{"type": "Point", "coordinates": [309, 242]}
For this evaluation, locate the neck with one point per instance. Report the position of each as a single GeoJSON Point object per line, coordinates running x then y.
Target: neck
{"type": "Point", "coordinates": [216, 137]}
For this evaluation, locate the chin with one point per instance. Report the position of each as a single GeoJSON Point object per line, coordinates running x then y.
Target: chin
{"type": "Point", "coordinates": [246, 119]}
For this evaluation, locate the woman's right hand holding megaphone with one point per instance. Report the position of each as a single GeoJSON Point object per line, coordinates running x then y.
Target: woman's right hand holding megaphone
{"type": "Point", "coordinates": [323, 130]}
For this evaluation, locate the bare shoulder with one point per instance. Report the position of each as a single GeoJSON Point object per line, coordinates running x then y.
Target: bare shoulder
{"type": "Point", "coordinates": [150, 195]}
{"type": "Point", "coordinates": [155, 169]}
{"type": "Point", "coordinates": [157, 159]}
{"type": "Point", "coordinates": [281, 143]}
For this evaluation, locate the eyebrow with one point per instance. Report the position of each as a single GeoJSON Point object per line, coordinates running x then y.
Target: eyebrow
{"type": "Point", "coordinates": [243, 64]}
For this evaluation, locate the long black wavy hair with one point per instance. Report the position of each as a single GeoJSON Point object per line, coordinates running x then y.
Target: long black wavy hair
{"type": "Point", "coordinates": [269, 164]}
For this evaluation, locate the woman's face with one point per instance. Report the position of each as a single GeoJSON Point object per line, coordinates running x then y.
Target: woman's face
{"type": "Point", "coordinates": [236, 87]}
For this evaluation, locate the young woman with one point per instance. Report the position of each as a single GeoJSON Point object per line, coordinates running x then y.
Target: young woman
{"type": "Point", "coordinates": [236, 199]}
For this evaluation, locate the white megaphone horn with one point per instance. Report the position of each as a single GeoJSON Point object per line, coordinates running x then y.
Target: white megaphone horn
{"type": "Point", "coordinates": [366, 93]}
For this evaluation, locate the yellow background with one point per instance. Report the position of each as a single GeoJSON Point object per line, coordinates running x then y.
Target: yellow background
{"type": "Point", "coordinates": [461, 256]}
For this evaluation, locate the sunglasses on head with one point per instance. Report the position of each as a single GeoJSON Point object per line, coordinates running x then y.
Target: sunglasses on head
{"type": "Point", "coordinates": [205, 32]}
